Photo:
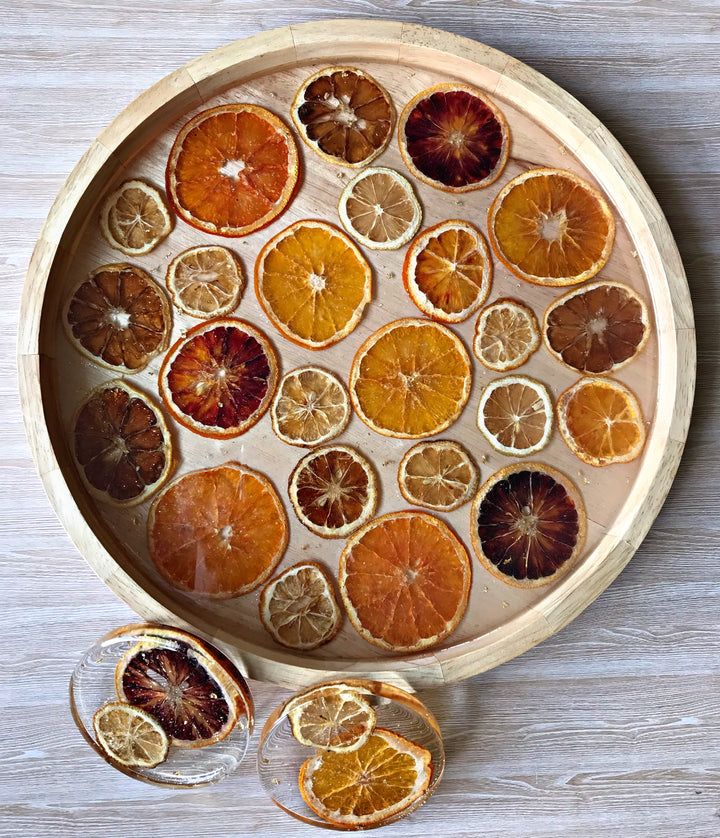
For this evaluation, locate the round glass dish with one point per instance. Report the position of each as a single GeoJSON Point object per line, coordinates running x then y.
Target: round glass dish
{"type": "Point", "coordinates": [284, 763]}
{"type": "Point", "coordinates": [98, 679]}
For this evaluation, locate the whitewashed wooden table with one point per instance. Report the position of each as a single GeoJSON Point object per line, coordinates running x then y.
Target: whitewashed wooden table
{"type": "Point", "coordinates": [610, 728]}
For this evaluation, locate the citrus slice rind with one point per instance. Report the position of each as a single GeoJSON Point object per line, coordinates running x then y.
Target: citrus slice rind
{"type": "Point", "coordinates": [515, 415]}
{"type": "Point", "coordinates": [134, 218]}
{"type": "Point", "coordinates": [506, 335]}
{"type": "Point", "coordinates": [130, 736]}
{"type": "Point", "coordinates": [205, 281]}
{"type": "Point", "coordinates": [437, 475]}
{"type": "Point", "coordinates": [333, 720]}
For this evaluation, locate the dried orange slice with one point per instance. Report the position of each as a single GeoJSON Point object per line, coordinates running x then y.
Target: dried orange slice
{"type": "Point", "coordinates": [121, 444]}
{"type": "Point", "coordinates": [550, 227]}
{"type": "Point", "coordinates": [205, 281]}
{"type": "Point", "coordinates": [601, 421]}
{"type": "Point", "coordinates": [118, 317]}
{"type": "Point", "coordinates": [333, 490]}
{"type": "Point", "coordinates": [454, 138]}
{"type": "Point", "coordinates": [134, 218]}
{"type": "Point", "coordinates": [437, 475]}
{"type": "Point", "coordinates": [344, 115]}
{"type": "Point", "coordinates": [219, 532]}
{"type": "Point", "coordinates": [410, 379]}
{"type": "Point", "coordinates": [516, 415]}
{"type": "Point", "coordinates": [597, 328]}
{"type": "Point", "coordinates": [528, 524]}
{"type": "Point", "coordinates": [379, 209]}
{"type": "Point", "coordinates": [218, 380]}
{"type": "Point", "coordinates": [232, 169]}
{"type": "Point", "coordinates": [506, 335]}
{"type": "Point", "coordinates": [313, 283]}
{"type": "Point", "coordinates": [332, 718]}
{"type": "Point", "coordinates": [405, 581]}
{"type": "Point", "coordinates": [447, 271]}
{"type": "Point", "coordinates": [130, 736]}
{"type": "Point", "coordinates": [366, 788]}
{"type": "Point", "coordinates": [310, 407]}
{"type": "Point", "coordinates": [299, 608]}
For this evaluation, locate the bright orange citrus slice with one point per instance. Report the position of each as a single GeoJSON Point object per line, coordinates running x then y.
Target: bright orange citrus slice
{"type": "Point", "coordinates": [438, 475]}
{"type": "Point", "coordinates": [134, 218]}
{"type": "Point", "coordinates": [515, 415]}
{"type": "Point", "coordinates": [335, 718]}
{"type": "Point", "coordinates": [130, 736]}
{"type": "Point", "coordinates": [205, 281]}
{"type": "Point", "coordinates": [506, 335]}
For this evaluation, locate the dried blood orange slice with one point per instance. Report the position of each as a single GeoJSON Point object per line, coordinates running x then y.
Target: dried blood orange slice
{"type": "Point", "coordinates": [601, 421]}
{"type": "Point", "coordinates": [134, 218]}
{"type": "Point", "coordinates": [205, 281]}
{"type": "Point", "coordinates": [516, 415]}
{"type": "Point", "coordinates": [454, 138]}
{"type": "Point", "coordinates": [506, 335]}
{"type": "Point", "coordinates": [344, 115]}
{"type": "Point", "coordinates": [550, 227]}
{"type": "Point", "coordinates": [528, 524]}
{"type": "Point", "coordinates": [218, 380]}
{"type": "Point", "coordinates": [130, 736]}
{"type": "Point", "coordinates": [410, 379]}
{"type": "Point", "coordinates": [313, 283]}
{"type": "Point", "coordinates": [597, 328]}
{"type": "Point", "coordinates": [334, 718]}
{"type": "Point", "coordinates": [121, 444]}
{"type": "Point", "coordinates": [448, 271]}
{"type": "Point", "coordinates": [333, 490]}
{"type": "Point", "coordinates": [379, 209]}
{"type": "Point", "coordinates": [118, 317]}
{"type": "Point", "coordinates": [437, 475]}
{"type": "Point", "coordinates": [405, 581]}
{"type": "Point", "coordinates": [310, 407]}
{"type": "Point", "coordinates": [232, 169]}
{"type": "Point", "coordinates": [366, 788]}
{"type": "Point", "coordinates": [219, 532]}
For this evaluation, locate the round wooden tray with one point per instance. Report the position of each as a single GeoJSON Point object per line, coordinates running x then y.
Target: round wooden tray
{"type": "Point", "coordinates": [549, 128]}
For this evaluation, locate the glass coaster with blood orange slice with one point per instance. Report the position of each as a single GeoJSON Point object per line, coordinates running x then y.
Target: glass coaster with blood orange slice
{"type": "Point", "coordinates": [438, 475]}
{"type": "Point", "coordinates": [515, 415]}
{"type": "Point", "coordinates": [232, 169]}
{"type": "Point", "coordinates": [333, 718]}
{"type": "Point", "coordinates": [313, 283]}
{"type": "Point", "coordinates": [134, 218]}
{"type": "Point", "coordinates": [130, 736]}
{"type": "Point", "coordinates": [205, 281]}
{"type": "Point", "coordinates": [448, 271]}
{"type": "Point", "coordinates": [506, 335]}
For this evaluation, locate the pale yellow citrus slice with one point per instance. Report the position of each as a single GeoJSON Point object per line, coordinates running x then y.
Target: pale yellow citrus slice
{"type": "Point", "coordinates": [332, 718]}
{"type": "Point", "coordinates": [205, 281]}
{"type": "Point", "coordinates": [506, 335]}
{"type": "Point", "coordinates": [516, 415]}
{"type": "Point", "coordinates": [134, 218]}
{"type": "Point", "coordinates": [437, 475]}
{"type": "Point", "coordinates": [130, 736]}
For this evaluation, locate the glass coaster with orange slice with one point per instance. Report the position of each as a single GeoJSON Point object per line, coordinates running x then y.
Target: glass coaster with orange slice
{"type": "Point", "coordinates": [506, 335]}
{"type": "Point", "coordinates": [134, 218]}
{"type": "Point", "coordinates": [515, 415]}
{"type": "Point", "coordinates": [205, 281]}
{"type": "Point", "coordinates": [311, 407]}
{"type": "Point", "coordinates": [438, 475]}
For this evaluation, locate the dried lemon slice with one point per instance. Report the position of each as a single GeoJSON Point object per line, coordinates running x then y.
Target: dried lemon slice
{"type": "Point", "coordinates": [134, 218]}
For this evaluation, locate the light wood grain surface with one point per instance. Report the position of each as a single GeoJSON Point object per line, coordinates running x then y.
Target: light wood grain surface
{"type": "Point", "coordinates": [612, 726]}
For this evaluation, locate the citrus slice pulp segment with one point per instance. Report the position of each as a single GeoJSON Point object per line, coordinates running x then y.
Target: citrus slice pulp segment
{"type": "Point", "coordinates": [344, 115]}
{"type": "Point", "coordinates": [437, 475]}
{"type": "Point", "coordinates": [448, 271]}
{"type": "Point", "coordinates": [219, 532]}
{"type": "Point", "coordinates": [333, 719]}
{"type": "Point", "coordinates": [597, 328]}
{"type": "Point", "coordinates": [516, 415]}
{"type": "Point", "coordinates": [379, 208]}
{"type": "Point", "coordinates": [130, 736]}
{"type": "Point", "coordinates": [313, 283]}
{"type": "Point", "coordinates": [232, 169]}
{"type": "Point", "coordinates": [205, 281]}
{"type": "Point", "coordinates": [121, 444]}
{"type": "Point", "coordinates": [528, 524]}
{"type": "Point", "coordinates": [311, 406]}
{"type": "Point", "coordinates": [405, 580]}
{"type": "Point", "coordinates": [410, 379]}
{"type": "Point", "coordinates": [454, 138]}
{"type": "Point", "coordinates": [118, 317]}
{"type": "Point", "coordinates": [333, 490]}
{"type": "Point", "coordinates": [218, 380]}
{"type": "Point", "coordinates": [366, 787]}
{"type": "Point", "coordinates": [134, 218]}
{"type": "Point", "coordinates": [506, 335]}
{"type": "Point", "coordinates": [550, 227]}
{"type": "Point", "coordinates": [601, 421]}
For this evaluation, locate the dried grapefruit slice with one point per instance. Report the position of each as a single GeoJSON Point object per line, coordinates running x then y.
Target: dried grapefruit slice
{"type": "Point", "coordinates": [550, 227]}
{"type": "Point", "coordinates": [232, 169]}
{"type": "Point", "coordinates": [332, 718]}
{"type": "Point", "coordinates": [506, 335]}
{"type": "Point", "coordinates": [410, 379]}
{"type": "Point", "coordinates": [134, 218]}
{"type": "Point", "coordinates": [310, 407]}
{"type": "Point", "coordinates": [528, 524]}
{"type": "Point", "coordinates": [344, 115]}
{"type": "Point", "coordinates": [516, 415]}
{"type": "Point", "coordinates": [118, 317]}
{"type": "Point", "coordinates": [218, 380]}
{"type": "Point", "coordinates": [121, 444]}
{"type": "Point", "coordinates": [437, 475]}
{"type": "Point", "coordinates": [405, 581]}
{"type": "Point", "coordinates": [219, 532]}
{"type": "Point", "coordinates": [448, 271]}
{"type": "Point", "coordinates": [454, 138]}
{"type": "Point", "coordinates": [130, 736]}
{"type": "Point", "coordinates": [601, 421]}
{"type": "Point", "coordinates": [598, 328]}
{"type": "Point", "coordinates": [333, 490]}
{"type": "Point", "coordinates": [205, 281]}
{"type": "Point", "coordinates": [313, 283]}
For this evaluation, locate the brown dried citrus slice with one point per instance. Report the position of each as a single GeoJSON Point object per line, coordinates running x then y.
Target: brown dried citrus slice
{"type": "Point", "coordinates": [134, 218]}
{"type": "Point", "coordinates": [601, 421]}
{"type": "Point", "coordinates": [205, 281]}
{"type": "Point", "coordinates": [332, 718]}
{"type": "Point", "coordinates": [310, 407]}
{"type": "Point", "coordinates": [344, 115]}
{"type": "Point", "coordinates": [121, 444]}
{"type": "Point", "coordinates": [218, 380]}
{"type": "Point", "coordinates": [597, 328]}
{"type": "Point", "coordinates": [130, 736]}
{"type": "Point", "coordinates": [506, 335]}
{"type": "Point", "coordinates": [528, 524]}
{"type": "Point", "coordinates": [118, 317]}
{"type": "Point", "coordinates": [333, 490]}
{"type": "Point", "coordinates": [437, 475]}
{"type": "Point", "coordinates": [219, 532]}
{"type": "Point", "coordinates": [516, 415]}
{"type": "Point", "coordinates": [454, 138]}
